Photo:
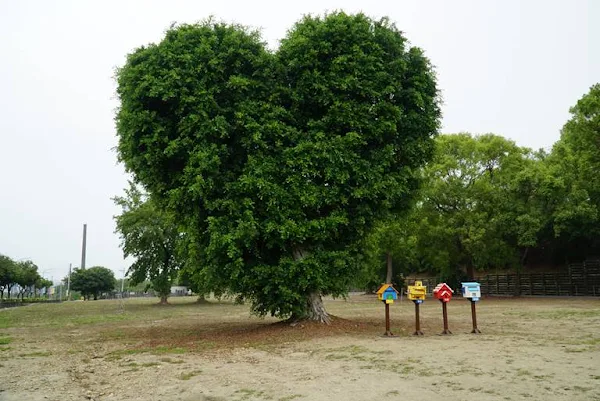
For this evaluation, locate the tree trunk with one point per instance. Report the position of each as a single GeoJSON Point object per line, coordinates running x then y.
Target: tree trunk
{"type": "Point", "coordinates": [201, 299]}
{"type": "Point", "coordinates": [388, 276]}
{"type": "Point", "coordinates": [524, 257]}
{"type": "Point", "coordinates": [315, 310]}
{"type": "Point", "coordinates": [95, 297]}
{"type": "Point", "coordinates": [163, 300]}
{"type": "Point", "coordinates": [470, 271]}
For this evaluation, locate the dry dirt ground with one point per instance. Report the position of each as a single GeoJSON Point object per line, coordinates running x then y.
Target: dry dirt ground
{"type": "Point", "coordinates": [538, 349]}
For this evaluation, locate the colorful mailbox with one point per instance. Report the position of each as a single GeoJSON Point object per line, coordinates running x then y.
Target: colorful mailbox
{"type": "Point", "coordinates": [387, 293]}
{"type": "Point", "coordinates": [417, 292]}
{"type": "Point", "coordinates": [471, 290]}
{"type": "Point", "coordinates": [443, 292]}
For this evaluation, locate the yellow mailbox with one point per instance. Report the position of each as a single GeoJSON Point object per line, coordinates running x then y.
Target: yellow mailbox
{"type": "Point", "coordinates": [417, 291]}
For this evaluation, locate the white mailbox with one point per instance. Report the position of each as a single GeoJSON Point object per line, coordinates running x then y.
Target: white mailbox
{"type": "Point", "coordinates": [471, 290]}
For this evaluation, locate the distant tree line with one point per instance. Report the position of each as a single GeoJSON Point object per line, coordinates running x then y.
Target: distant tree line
{"type": "Point", "coordinates": [20, 275]}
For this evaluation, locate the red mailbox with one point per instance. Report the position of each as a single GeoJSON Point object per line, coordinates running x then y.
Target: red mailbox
{"type": "Point", "coordinates": [443, 292]}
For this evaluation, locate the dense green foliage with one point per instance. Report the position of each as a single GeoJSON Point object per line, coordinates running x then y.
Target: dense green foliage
{"type": "Point", "coordinates": [93, 281]}
{"type": "Point", "coordinates": [278, 164]}
{"type": "Point", "coordinates": [22, 275]}
{"type": "Point", "coordinates": [151, 236]}
{"type": "Point", "coordinates": [487, 203]}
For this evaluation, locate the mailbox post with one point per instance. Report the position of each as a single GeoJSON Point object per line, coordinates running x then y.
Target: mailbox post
{"type": "Point", "coordinates": [472, 291]}
{"type": "Point", "coordinates": [387, 294]}
{"type": "Point", "coordinates": [443, 292]}
{"type": "Point", "coordinates": [416, 293]}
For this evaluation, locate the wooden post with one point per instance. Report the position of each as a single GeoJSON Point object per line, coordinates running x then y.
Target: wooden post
{"type": "Point", "coordinates": [418, 331]}
{"type": "Point", "coordinates": [474, 317]}
{"type": "Point", "coordinates": [544, 283]}
{"type": "Point", "coordinates": [497, 285]}
{"type": "Point", "coordinates": [445, 316]}
{"type": "Point", "coordinates": [586, 280]}
{"type": "Point", "coordinates": [570, 281]}
{"type": "Point", "coordinates": [387, 321]}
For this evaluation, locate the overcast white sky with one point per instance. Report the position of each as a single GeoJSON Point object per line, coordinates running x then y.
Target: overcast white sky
{"type": "Point", "coordinates": [509, 67]}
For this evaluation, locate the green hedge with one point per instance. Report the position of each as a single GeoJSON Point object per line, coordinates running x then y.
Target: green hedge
{"type": "Point", "coordinates": [13, 301]}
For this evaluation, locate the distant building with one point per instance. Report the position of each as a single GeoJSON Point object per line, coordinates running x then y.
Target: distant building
{"type": "Point", "coordinates": [179, 291]}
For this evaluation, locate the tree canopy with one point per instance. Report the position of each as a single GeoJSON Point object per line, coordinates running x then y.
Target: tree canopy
{"type": "Point", "coordinates": [22, 275]}
{"type": "Point", "coordinates": [486, 203]}
{"type": "Point", "coordinates": [93, 281]}
{"type": "Point", "coordinates": [152, 237]}
{"type": "Point", "coordinates": [278, 163]}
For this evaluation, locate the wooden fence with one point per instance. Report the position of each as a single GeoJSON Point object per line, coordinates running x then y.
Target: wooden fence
{"type": "Point", "coordinates": [581, 279]}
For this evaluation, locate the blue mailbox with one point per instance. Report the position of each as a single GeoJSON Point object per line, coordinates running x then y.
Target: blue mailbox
{"type": "Point", "coordinates": [387, 293]}
{"type": "Point", "coordinates": [471, 290]}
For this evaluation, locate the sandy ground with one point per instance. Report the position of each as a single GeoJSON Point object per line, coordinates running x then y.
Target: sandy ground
{"type": "Point", "coordinates": [538, 349]}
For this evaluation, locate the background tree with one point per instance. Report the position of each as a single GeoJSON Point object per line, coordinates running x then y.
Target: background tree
{"type": "Point", "coordinates": [574, 164]}
{"type": "Point", "coordinates": [26, 276]}
{"type": "Point", "coordinates": [7, 275]}
{"type": "Point", "coordinates": [390, 252]}
{"type": "Point", "coordinates": [279, 164]}
{"type": "Point", "coordinates": [476, 209]}
{"type": "Point", "coordinates": [93, 281]}
{"type": "Point", "coordinates": [152, 237]}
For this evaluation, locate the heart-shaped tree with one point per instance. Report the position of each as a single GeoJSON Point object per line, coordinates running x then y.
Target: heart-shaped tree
{"type": "Point", "coordinates": [278, 162]}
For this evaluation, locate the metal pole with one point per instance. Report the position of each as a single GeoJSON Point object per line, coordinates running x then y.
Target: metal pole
{"type": "Point", "coordinates": [445, 315]}
{"type": "Point", "coordinates": [387, 320]}
{"type": "Point", "coordinates": [122, 281]}
{"type": "Point", "coordinates": [83, 246]}
{"type": "Point", "coordinates": [474, 316]}
{"type": "Point", "coordinates": [418, 331]}
{"type": "Point", "coordinates": [69, 284]}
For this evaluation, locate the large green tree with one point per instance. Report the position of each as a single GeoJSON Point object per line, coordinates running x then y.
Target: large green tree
{"type": "Point", "coordinates": [93, 281]}
{"type": "Point", "coordinates": [279, 163]}
{"type": "Point", "coordinates": [151, 236]}
{"type": "Point", "coordinates": [476, 209]}
{"type": "Point", "coordinates": [575, 163]}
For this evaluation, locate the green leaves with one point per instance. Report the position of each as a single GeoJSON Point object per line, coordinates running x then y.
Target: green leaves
{"type": "Point", "coordinates": [152, 237]}
{"type": "Point", "coordinates": [93, 281]}
{"type": "Point", "coordinates": [258, 153]}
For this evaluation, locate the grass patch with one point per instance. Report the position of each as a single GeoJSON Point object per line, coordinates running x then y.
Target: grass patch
{"type": "Point", "coordinates": [115, 355]}
{"type": "Point", "coordinates": [189, 375]}
{"type": "Point", "coordinates": [249, 394]}
{"type": "Point", "coordinates": [4, 348]}
{"type": "Point", "coordinates": [130, 364]}
{"type": "Point", "coordinates": [290, 397]}
{"type": "Point", "coordinates": [150, 364]}
{"type": "Point", "coordinates": [37, 354]}
{"type": "Point", "coordinates": [5, 340]}
{"type": "Point", "coordinates": [557, 314]}
{"type": "Point", "coordinates": [523, 372]}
